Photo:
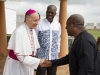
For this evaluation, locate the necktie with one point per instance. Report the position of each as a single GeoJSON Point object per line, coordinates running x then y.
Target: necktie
{"type": "Point", "coordinates": [32, 41]}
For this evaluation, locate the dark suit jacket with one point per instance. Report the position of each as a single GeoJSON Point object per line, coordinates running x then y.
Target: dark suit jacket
{"type": "Point", "coordinates": [83, 59]}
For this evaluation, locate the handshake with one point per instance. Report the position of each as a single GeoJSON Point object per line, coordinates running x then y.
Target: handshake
{"type": "Point", "coordinates": [45, 63]}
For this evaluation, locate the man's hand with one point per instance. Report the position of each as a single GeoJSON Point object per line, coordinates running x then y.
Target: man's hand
{"type": "Point", "coordinates": [45, 63]}
{"type": "Point", "coordinates": [48, 63]}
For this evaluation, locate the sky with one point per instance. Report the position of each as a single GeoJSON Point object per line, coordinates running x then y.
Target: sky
{"type": "Point", "coordinates": [89, 9]}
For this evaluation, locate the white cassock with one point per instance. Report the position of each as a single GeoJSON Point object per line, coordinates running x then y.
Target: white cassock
{"type": "Point", "coordinates": [20, 60]}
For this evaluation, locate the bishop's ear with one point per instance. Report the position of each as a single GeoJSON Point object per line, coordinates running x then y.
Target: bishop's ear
{"type": "Point", "coordinates": [27, 19]}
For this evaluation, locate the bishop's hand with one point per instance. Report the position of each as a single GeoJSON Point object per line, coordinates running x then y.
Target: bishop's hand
{"type": "Point", "coordinates": [42, 62]}
{"type": "Point", "coordinates": [48, 63]}
{"type": "Point", "coordinates": [45, 63]}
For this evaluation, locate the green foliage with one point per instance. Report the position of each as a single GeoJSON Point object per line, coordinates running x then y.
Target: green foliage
{"type": "Point", "coordinates": [8, 37]}
{"type": "Point", "coordinates": [95, 33]}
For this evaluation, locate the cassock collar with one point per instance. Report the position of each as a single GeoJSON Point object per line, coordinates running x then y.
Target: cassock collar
{"type": "Point", "coordinates": [28, 27]}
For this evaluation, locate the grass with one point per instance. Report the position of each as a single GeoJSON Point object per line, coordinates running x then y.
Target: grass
{"type": "Point", "coordinates": [95, 33]}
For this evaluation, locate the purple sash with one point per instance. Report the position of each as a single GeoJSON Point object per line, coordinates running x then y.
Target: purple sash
{"type": "Point", "coordinates": [12, 55]}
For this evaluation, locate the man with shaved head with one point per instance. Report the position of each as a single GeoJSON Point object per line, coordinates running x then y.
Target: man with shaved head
{"type": "Point", "coordinates": [22, 47]}
{"type": "Point", "coordinates": [48, 32]}
{"type": "Point", "coordinates": [83, 58]}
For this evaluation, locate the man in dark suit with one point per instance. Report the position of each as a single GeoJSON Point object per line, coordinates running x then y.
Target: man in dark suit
{"type": "Point", "coordinates": [83, 59]}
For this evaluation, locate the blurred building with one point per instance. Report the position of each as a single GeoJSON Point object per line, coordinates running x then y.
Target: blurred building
{"type": "Point", "coordinates": [89, 26]}
{"type": "Point", "coordinates": [20, 19]}
{"type": "Point", "coordinates": [98, 26]}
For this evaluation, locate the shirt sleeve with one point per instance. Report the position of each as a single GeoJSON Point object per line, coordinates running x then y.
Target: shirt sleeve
{"type": "Point", "coordinates": [62, 61]}
{"type": "Point", "coordinates": [29, 61]}
{"type": "Point", "coordinates": [59, 39]}
{"type": "Point", "coordinates": [85, 55]}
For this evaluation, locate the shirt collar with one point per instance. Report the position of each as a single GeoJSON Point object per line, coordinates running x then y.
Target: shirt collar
{"type": "Point", "coordinates": [48, 21]}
